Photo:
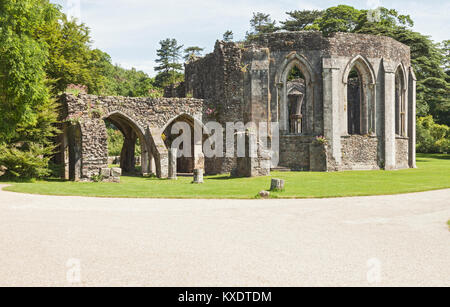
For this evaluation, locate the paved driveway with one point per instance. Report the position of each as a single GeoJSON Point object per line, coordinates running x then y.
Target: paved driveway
{"type": "Point", "coordinates": [389, 240]}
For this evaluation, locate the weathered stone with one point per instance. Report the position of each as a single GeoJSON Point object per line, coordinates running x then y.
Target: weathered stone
{"type": "Point", "coordinates": [277, 185]}
{"type": "Point", "coordinates": [105, 172]}
{"type": "Point", "coordinates": [198, 176]}
{"type": "Point", "coordinates": [264, 194]}
{"type": "Point", "coordinates": [115, 179]}
{"type": "Point", "coordinates": [367, 123]}
{"type": "Point", "coordinates": [116, 172]}
{"type": "Point", "coordinates": [173, 153]}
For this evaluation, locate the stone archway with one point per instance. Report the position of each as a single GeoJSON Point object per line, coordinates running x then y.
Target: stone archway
{"type": "Point", "coordinates": [131, 133]}
{"type": "Point", "coordinates": [365, 98]}
{"type": "Point", "coordinates": [190, 152]}
{"type": "Point", "coordinates": [299, 61]}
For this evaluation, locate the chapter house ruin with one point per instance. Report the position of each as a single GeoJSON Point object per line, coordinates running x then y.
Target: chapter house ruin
{"type": "Point", "coordinates": [356, 92]}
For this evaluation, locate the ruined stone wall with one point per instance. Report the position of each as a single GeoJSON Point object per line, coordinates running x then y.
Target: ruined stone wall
{"type": "Point", "coordinates": [295, 152]}
{"type": "Point", "coordinates": [218, 80]}
{"type": "Point", "coordinates": [370, 46]}
{"type": "Point", "coordinates": [360, 153]}
{"type": "Point", "coordinates": [141, 114]}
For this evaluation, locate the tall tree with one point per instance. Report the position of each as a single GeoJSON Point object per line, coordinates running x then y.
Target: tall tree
{"type": "Point", "coordinates": [169, 67]}
{"type": "Point", "coordinates": [341, 18]}
{"type": "Point", "coordinates": [301, 20]}
{"type": "Point", "coordinates": [28, 113]}
{"type": "Point", "coordinates": [260, 24]}
{"type": "Point", "coordinates": [193, 52]}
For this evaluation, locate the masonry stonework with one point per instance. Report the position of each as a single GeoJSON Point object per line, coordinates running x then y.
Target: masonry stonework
{"type": "Point", "coordinates": [348, 95]}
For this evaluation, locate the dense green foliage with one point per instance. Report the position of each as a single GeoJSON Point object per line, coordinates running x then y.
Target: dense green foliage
{"type": "Point", "coordinates": [433, 173]}
{"type": "Point", "coordinates": [432, 137]}
{"type": "Point", "coordinates": [28, 112]}
{"type": "Point", "coordinates": [115, 142]}
{"type": "Point", "coordinates": [43, 54]}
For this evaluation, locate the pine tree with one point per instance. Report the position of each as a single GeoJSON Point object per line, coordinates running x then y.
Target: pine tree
{"type": "Point", "coordinates": [301, 20]}
{"type": "Point", "coordinates": [192, 53]}
{"type": "Point", "coordinates": [170, 68]}
{"type": "Point", "coordinates": [228, 36]}
{"type": "Point", "coordinates": [260, 24]}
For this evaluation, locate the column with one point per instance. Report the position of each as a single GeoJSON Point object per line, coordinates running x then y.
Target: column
{"type": "Point", "coordinates": [389, 119]}
{"type": "Point", "coordinates": [331, 73]}
{"type": "Point", "coordinates": [412, 118]}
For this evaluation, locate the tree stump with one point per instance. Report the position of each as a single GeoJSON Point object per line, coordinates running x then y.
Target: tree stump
{"type": "Point", "coordinates": [277, 185]}
{"type": "Point", "coordinates": [198, 176]}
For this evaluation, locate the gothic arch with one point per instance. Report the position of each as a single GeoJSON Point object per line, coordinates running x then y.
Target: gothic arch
{"type": "Point", "coordinates": [196, 159]}
{"type": "Point", "coordinates": [301, 62]}
{"type": "Point", "coordinates": [401, 86]}
{"type": "Point", "coordinates": [131, 132]}
{"type": "Point", "coordinates": [366, 96]}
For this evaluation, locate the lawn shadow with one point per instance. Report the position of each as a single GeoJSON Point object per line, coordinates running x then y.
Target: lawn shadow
{"type": "Point", "coordinates": [222, 177]}
{"type": "Point", "coordinates": [433, 156]}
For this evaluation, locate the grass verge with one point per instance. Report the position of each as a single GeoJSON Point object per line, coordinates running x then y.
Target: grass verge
{"type": "Point", "coordinates": [433, 173]}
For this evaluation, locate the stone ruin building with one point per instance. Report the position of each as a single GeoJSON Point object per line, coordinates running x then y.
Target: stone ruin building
{"type": "Point", "coordinates": [357, 92]}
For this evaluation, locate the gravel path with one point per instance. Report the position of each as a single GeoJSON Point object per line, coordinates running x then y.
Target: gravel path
{"type": "Point", "coordinates": [398, 240]}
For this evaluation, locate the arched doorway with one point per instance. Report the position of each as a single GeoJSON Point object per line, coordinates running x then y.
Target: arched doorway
{"type": "Point", "coordinates": [135, 155]}
{"type": "Point", "coordinates": [359, 91]}
{"type": "Point", "coordinates": [185, 134]}
{"type": "Point", "coordinates": [296, 88]}
{"type": "Point", "coordinates": [296, 96]}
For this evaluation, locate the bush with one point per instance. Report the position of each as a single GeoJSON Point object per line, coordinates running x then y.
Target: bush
{"type": "Point", "coordinates": [25, 161]}
{"type": "Point", "coordinates": [115, 142]}
{"type": "Point", "coordinates": [432, 137]}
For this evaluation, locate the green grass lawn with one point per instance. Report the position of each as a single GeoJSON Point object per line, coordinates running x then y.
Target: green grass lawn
{"type": "Point", "coordinates": [433, 173]}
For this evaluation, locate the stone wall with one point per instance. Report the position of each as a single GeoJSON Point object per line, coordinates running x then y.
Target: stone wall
{"type": "Point", "coordinates": [218, 80]}
{"type": "Point", "coordinates": [147, 117]}
{"type": "Point", "coordinates": [243, 82]}
{"type": "Point", "coordinates": [246, 81]}
{"type": "Point", "coordinates": [359, 153]}
{"type": "Point", "coordinates": [295, 152]}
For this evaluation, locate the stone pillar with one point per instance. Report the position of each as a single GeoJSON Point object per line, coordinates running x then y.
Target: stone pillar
{"type": "Point", "coordinates": [152, 165]}
{"type": "Point", "coordinates": [412, 118]}
{"type": "Point", "coordinates": [159, 151]}
{"type": "Point", "coordinates": [145, 161]}
{"type": "Point", "coordinates": [173, 155]}
{"type": "Point", "coordinates": [389, 118]}
{"type": "Point", "coordinates": [331, 97]}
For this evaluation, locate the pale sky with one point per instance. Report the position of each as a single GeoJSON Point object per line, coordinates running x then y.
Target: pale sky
{"type": "Point", "coordinates": [130, 30]}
